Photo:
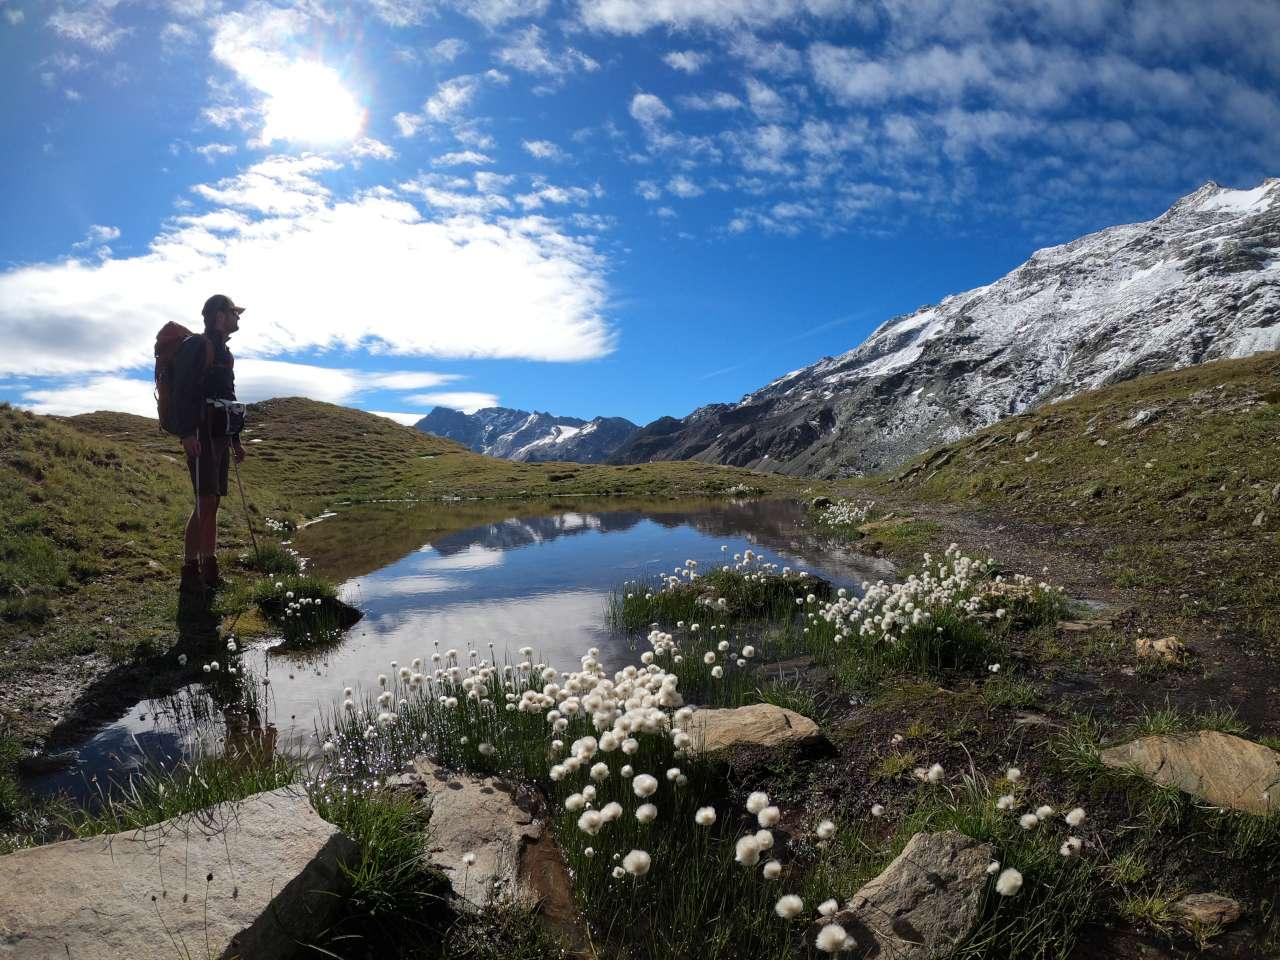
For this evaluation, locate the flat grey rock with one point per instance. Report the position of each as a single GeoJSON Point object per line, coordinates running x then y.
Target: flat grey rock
{"type": "Point", "coordinates": [1222, 769]}
{"type": "Point", "coordinates": [755, 725]}
{"type": "Point", "coordinates": [923, 902]}
{"type": "Point", "coordinates": [143, 895]}
{"type": "Point", "coordinates": [486, 817]}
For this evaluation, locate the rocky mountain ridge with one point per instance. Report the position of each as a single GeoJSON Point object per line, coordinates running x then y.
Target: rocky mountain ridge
{"type": "Point", "coordinates": [530, 436]}
{"type": "Point", "coordinates": [1199, 282]}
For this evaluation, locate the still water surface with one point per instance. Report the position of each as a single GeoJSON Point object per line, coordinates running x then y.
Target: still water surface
{"type": "Point", "coordinates": [423, 574]}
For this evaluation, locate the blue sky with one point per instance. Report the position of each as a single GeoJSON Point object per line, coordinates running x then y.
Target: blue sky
{"type": "Point", "coordinates": [597, 207]}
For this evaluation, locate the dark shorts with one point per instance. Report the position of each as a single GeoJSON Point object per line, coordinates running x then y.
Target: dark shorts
{"type": "Point", "coordinates": [209, 472]}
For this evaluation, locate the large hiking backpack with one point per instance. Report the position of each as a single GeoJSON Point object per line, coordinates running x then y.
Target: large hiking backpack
{"type": "Point", "coordinates": [168, 340]}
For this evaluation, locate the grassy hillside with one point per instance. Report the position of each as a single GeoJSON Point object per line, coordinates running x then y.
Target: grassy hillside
{"type": "Point", "coordinates": [1172, 480]}
{"type": "Point", "coordinates": [92, 508]}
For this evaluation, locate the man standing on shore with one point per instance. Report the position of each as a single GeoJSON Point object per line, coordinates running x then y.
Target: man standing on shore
{"type": "Point", "coordinates": [209, 420]}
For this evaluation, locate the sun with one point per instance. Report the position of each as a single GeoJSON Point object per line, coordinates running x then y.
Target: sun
{"type": "Point", "coordinates": [308, 103]}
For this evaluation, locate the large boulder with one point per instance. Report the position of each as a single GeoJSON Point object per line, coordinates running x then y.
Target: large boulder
{"type": "Point", "coordinates": [755, 725]}
{"type": "Point", "coordinates": [926, 900]}
{"type": "Point", "coordinates": [1218, 768]}
{"type": "Point", "coordinates": [487, 820]}
{"type": "Point", "coordinates": [246, 879]}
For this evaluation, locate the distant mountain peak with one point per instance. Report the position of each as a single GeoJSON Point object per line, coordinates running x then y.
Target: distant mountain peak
{"type": "Point", "coordinates": [530, 436]}
{"type": "Point", "coordinates": [1199, 282]}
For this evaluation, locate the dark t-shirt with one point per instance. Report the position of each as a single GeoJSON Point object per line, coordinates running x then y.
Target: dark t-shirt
{"type": "Point", "coordinates": [195, 381]}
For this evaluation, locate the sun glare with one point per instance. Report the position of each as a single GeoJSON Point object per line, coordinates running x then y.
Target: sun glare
{"type": "Point", "coordinates": [307, 103]}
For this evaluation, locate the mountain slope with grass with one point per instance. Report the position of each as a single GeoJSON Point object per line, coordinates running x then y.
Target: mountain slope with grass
{"type": "Point", "coordinates": [1171, 481]}
{"type": "Point", "coordinates": [92, 510]}
{"type": "Point", "coordinates": [1200, 282]}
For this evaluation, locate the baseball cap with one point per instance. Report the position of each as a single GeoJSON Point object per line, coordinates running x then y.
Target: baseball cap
{"type": "Point", "coordinates": [217, 303]}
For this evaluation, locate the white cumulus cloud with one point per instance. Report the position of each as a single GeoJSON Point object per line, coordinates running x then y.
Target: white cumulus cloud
{"type": "Point", "coordinates": [316, 272]}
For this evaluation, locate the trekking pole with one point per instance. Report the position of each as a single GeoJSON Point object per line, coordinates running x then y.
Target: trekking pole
{"type": "Point", "coordinates": [247, 519]}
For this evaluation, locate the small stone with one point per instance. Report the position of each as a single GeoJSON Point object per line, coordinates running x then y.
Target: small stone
{"type": "Point", "coordinates": [1100, 442]}
{"type": "Point", "coordinates": [1208, 909]}
{"type": "Point", "coordinates": [1024, 435]}
{"type": "Point", "coordinates": [1275, 493]}
{"type": "Point", "coordinates": [1166, 649]}
{"type": "Point", "coordinates": [1260, 519]}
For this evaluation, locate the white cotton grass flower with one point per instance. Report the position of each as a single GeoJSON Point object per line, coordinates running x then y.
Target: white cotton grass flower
{"type": "Point", "coordinates": [590, 822]}
{"type": "Point", "coordinates": [575, 802]}
{"type": "Point", "coordinates": [764, 839]}
{"type": "Point", "coordinates": [934, 773]}
{"type": "Point", "coordinates": [619, 873]}
{"type": "Point", "coordinates": [1044, 812]}
{"type": "Point", "coordinates": [1009, 882]}
{"type": "Point", "coordinates": [673, 774]}
{"type": "Point", "coordinates": [1028, 821]}
{"type": "Point", "coordinates": [589, 792]}
{"type": "Point", "coordinates": [1071, 846]}
{"type": "Point", "coordinates": [769, 817]}
{"type": "Point", "coordinates": [747, 851]}
{"type": "Point", "coordinates": [646, 813]}
{"type": "Point", "coordinates": [833, 938]}
{"type": "Point", "coordinates": [487, 749]}
{"type": "Point", "coordinates": [600, 772]}
{"type": "Point", "coordinates": [772, 870]}
{"type": "Point", "coordinates": [469, 859]}
{"type": "Point", "coordinates": [611, 811]}
{"type": "Point", "coordinates": [877, 809]}
{"type": "Point", "coordinates": [588, 852]}
{"type": "Point", "coordinates": [993, 868]}
{"type": "Point", "coordinates": [828, 908]}
{"type": "Point", "coordinates": [826, 830]}
{"type": "Point", "coordinates": [1075, 817]}
{"type": "Point", "coordinates": [789, 906]}
{"type": "Point", "coordinates": [637, 863]}
{"type": "Point", "coordinates": [1006, 802]}
{"type": "Point", "coordinates": [757, 802]}
{"type": "Point", "coordinates": [705, 816]}
{"type": "Point", "coordinates": [644, 785]}
{"type": "Point", "coordinates": [1012, 774]}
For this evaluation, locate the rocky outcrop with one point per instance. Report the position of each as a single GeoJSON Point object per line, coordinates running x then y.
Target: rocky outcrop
{"type": "Point", "coordinates": [755, 725]}
{"type": "Point", "coordinates": [1220, 769]}
{"type": "Point", "coordinates": [534, 437]}
{"type": "Point", "coordinates": [479, 829]}
{"type": "Point", "coordinates": [1200, 282]}
{"type": "Point", "coordinates": [925, 901]}
{"type": "Point", "coordinates": [245, 879]}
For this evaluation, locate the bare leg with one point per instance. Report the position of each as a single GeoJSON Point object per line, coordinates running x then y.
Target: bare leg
{"type": "Point", "coordinates": [194, 535]}
{"type": "Point", "coordinates": [208, 526]}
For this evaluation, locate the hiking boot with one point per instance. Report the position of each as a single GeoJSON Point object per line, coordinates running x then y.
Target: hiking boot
{"type": "Point", "coordinates": [209, 570]}
{"type": "Point", "coordinates": [192, 581]}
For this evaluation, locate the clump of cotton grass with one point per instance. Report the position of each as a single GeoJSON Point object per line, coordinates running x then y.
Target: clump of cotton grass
{"type": "Point", "coordinates": [789, 906]}
{"type": "Point", "coordinates": [637, 863]}
{"type": "Point", "coordinates": [1009, 882]}
{"type": "Point", "coordinates": [844, 513]}
{"type": "Point", "coordinates": [833, 938]}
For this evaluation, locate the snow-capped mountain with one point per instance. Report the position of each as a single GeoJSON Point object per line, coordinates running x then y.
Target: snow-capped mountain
{"type": "Point", "coordinates": [521, 435]}
{"type": "Point", "coordinates": [1200, 282]}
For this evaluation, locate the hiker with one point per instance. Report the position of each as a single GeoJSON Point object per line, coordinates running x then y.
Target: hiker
{"type": "Point", "coordinates": [207, 418]}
